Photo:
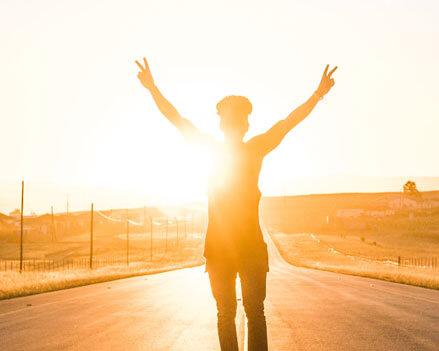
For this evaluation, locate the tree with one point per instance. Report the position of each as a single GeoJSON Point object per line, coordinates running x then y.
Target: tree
{"type": "Point", "coordinates": [410, 188]}
{"type": "Point", "coordinates": [15, 213]}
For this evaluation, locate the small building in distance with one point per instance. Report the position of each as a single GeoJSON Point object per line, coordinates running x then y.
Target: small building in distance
{"type": "Point", "coordinates": [349, 212]}
{"type": "Point", "coordinates": [404, 202]}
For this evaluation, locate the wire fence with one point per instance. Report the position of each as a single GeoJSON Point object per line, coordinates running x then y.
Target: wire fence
{"type": "Point", "coordinates": [97, 239]}
{"type": "Point", "coordinates": [423, 262]}
{"type": "Point", "coordinates": [35, 265]}
{"type": "Point", "coordinates": [428, 262]}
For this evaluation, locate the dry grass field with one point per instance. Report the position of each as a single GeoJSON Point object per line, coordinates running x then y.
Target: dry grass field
{"type": "Point", "coordinates": [14, 284]}
{"type": "Point", "coordinates": [63, 264]}
{"type": "Point", "coordinates": [375, 257]}
{"type": "Point", "coordinates": [361, 234]}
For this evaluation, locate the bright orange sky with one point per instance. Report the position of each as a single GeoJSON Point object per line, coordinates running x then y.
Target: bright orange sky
{"type": "Point", "coordinates": [75, 119]}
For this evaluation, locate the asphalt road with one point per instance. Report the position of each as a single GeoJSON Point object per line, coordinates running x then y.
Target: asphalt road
{"type": "Point", "coordinates": [306, 310]}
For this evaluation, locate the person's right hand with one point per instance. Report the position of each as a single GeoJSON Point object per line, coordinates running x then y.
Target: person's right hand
{"type": "Point", "coordinates": [145, 75]}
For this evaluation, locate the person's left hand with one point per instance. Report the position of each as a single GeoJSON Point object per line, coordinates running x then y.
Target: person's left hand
{"type": "Point", "coordinates": [327, 82]}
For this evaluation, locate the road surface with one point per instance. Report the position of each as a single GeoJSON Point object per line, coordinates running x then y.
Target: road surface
{"type": "Point", "coordinates": [306, 310]}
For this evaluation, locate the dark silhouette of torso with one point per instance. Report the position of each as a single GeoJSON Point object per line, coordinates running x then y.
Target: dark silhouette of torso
{"type": "Point", "coordinates": [233, 235]}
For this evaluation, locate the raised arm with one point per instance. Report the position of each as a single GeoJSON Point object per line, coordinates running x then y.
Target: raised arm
{"type": "Point", "coordinates": [272, 138]}
{"type": "Point", "coordinates": [166, 108]}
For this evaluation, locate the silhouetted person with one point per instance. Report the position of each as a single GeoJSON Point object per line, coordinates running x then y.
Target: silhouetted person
{"type": "Point", "coordinates": [234, 243]}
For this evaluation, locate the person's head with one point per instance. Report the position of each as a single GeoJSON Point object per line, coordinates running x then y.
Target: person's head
{"type": "Point", "coordinates": [234, 111]}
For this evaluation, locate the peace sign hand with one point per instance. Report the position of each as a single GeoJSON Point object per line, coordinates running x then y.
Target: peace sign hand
{"type": "Point", "coordinates": [145, 75]}
{"type": "Point", "coordinates": [327, 82]}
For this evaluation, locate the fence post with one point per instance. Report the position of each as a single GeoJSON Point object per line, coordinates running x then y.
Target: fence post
{"type": "Point", "coordinates": [399, 261]}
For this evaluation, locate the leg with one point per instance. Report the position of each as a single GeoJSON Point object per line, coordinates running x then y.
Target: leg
{"type": "Point", "coordinates": [222, 283]}
{"type": "Point", "coordinates": [253, 285]}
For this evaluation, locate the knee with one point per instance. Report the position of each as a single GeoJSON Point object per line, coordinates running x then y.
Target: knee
{"type": "Point", "coordinates": [227, 312]}
{"type": "Point", "coordinates": [254, 311]}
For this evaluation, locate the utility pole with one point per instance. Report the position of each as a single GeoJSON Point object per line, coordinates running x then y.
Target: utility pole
{"type": "Point", "coordinates": [91, 236]}
{"type": "Point", "coordinates": [21, 226]}
{"type": "Point", "coordinates": [67, 227]}
{"type": "Point", "coordinates": [144, 225]}
{"type": "Point", "coordinates": [176, 224]}
{"type": "Point", "coordinates": [284, 209]}
{"type": "Point", "coordinates": [128, 239]}
{"type": "Point", "coordinates": [166, 239]}
{"type": "Point", "coordinates": [150, 237]}
{"type": "Point", "coordinates": [52, 224]}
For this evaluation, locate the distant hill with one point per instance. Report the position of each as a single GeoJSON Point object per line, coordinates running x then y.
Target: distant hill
{"type": "Point", "coordinates": [341, 201]}
{"type": "Point", "coordinates": [3, 216]}
{"type": "Point", "coordinates": [307, 212]}
{"type": "Point", "coordinates": [5, 224]}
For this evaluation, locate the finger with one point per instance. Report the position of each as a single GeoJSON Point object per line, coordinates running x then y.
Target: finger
{"type": "Point", "coordinates": [332, 81]}
{"type": "Point", "coordinates": [140, 66]}
{"type": "Point", "coordinates": [332, 71]}
{"type": "Point", "coordinates": [326, 70]}
{"type": "Point", "coordinates": [146, 64]}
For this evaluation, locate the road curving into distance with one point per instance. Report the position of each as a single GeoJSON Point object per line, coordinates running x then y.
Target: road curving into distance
{"type": "Point", "coordinates": [306, 310]}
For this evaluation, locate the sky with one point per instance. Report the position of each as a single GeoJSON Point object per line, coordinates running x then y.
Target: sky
{"type": "Point", "coordinates": [76, 123]}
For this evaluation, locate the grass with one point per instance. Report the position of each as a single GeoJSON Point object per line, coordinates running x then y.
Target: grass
{"type": "Point", "coordinates": [14, 284]}
{"type": "Point", "coordinates": [351, 255]}
{"type": "Point", "coordinates": [187, 252]}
